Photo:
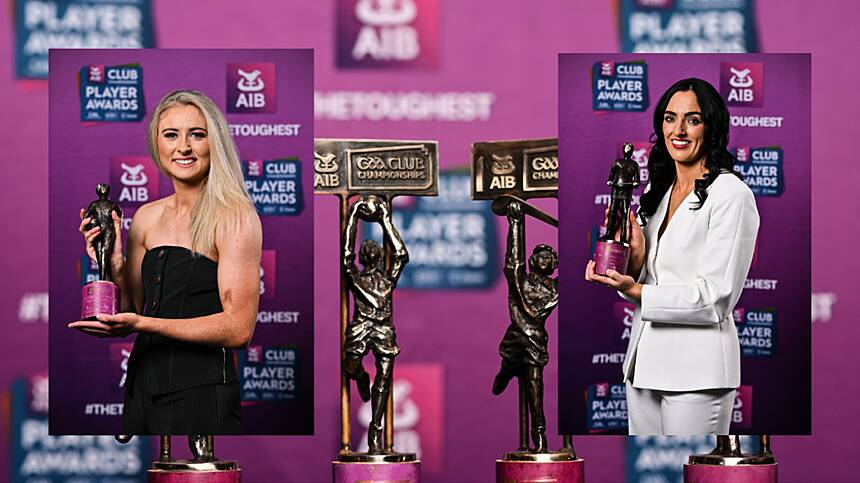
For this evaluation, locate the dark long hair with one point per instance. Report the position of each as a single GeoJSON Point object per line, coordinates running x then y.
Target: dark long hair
{"type": "Point", "coordinates": [718, 159]}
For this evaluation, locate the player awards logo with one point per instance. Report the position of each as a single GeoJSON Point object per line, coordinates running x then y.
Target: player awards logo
{"type": "Point", "coordinates": [742, 83]}
{"type": "Point", "coordinates": [251, 87]}
{"type": "Point", "coordinates": [275, 185]}
{"type": "Point", "coordinates": [267, 274]}
{"type": "Point", "coordinates": [607, 407]}
{"type": "Point", "coordinates": [762, 168]}
{"type": "Point", "coordinates": [135, 178]}
{"type": "Point", "coordinates": [619, 86]}
{"type": "Point", "coordinates": [111, 93]}
{"type": "Point", "coordinates": [387, 33]}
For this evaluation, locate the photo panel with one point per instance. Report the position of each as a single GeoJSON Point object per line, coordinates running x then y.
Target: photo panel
{"type": "Point", "coordinates": [101, 103]}
{"type": "Point", "coordinates": [689, 335]}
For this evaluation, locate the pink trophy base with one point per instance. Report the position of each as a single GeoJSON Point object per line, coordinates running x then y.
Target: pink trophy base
{"type": "Point", "coordinates": [611, 254]}
{"type": "Point", "coordinates": [99, 297]}
{"type": "Point", "coordinates": [215, 476]}
{"type": "Point", "coordinates": [730, 474]}
{"type": "Point", "coordinates": [408, 472]}
{"type": "Point", "coordinates": [540, 472]}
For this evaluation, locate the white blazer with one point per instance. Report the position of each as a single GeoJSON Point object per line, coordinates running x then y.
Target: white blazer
{"type": "Point", "coordinates": [684, 336]}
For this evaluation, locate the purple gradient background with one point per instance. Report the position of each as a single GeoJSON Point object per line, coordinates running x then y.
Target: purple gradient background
{"type": "Point", "coordinates": [80, 156]}
{"type": "Point", "coordinates": [589, 141]}
{"type": "Point", "coordinates": [515, 59]}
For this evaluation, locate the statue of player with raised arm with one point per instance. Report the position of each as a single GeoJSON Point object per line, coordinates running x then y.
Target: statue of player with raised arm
{"type": "Point", "coordinates": [532, 297]}
{"type": "Point", "coordinates": [371, 328]}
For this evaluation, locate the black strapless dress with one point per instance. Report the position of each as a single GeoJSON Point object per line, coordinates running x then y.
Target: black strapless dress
{"type": "Point", "coordinates": [176, 387]}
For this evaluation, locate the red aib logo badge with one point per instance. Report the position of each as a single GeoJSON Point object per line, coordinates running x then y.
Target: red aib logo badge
{"type": "Point", "coordinates": [251, 87]}
{"type": "Point", "coordinates": [96, 73]}
{"type": "Point", "coordinates": [255, 167]}
{"type": "Point", "coordinates": [742, 83]}
{"type": "Point", "coordinates": [607, 68]}
{"type": "Point", "coordinates": [254, 353]}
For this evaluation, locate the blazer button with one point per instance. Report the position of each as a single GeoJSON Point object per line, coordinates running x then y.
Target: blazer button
{"type": "Point", "coordinates": [153, 305]}
{"type": "Point", "coordinates": [161, 253]}
{"type": "Point", "coordinates": [157, 279]}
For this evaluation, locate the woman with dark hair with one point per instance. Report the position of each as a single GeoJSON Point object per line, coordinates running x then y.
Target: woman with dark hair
{"type": "Point", "coordinates": [688, 263]}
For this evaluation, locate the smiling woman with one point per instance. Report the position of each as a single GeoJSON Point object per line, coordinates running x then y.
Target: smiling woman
{"type": "Point", "coordinates": [190, 282]}
{"type": "Point", "coordinates": [688, 263]}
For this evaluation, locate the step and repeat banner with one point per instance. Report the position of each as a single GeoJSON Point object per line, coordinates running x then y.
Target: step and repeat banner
{"type": "Point", "coordinates": [607, 100]}
{"type": "Point", "coordinates": [100, 104]}
{"type": "Point", "coordinates": [436, 70]}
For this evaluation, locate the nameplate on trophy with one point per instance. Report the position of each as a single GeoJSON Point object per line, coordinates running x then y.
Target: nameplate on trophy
{"type": "Point", "coordinates": [527, 169]}
{"type": "Point", "coordinates": [352, 167]}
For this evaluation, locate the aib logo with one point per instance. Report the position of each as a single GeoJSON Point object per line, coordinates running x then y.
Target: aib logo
{"type": "Point", "coordinates": [601, 389]}
{"type": "Point", "coordinates": [96, 73]}
{"type": "Point", "coordinates": [267, 275]}
{"type": "Point", "coordinates": [607, 68]}
{"type": "Point", "coordinates": [254, 353]}
{"type": "Point", "coordinates": [742, 410]}
{"type": "Point", "coordinates": [742, 154]}
{"type": "Point", "coordinates": [387, 33]}
{"type": "Point", "coordinates": [136, 180]}
{"type": "Point", "coordinates": [742, 83]}
{"type": "Point", "coordinates": [251, 87]}
{"type": "Point", "coordinates": [654, 3]}
{"type": "Point", "coordinates": [255, 167]}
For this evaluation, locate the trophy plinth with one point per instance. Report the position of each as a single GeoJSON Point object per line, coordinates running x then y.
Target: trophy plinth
{"type": "Point", "coordinates": [611, 254]}
{"type": "Point", "coordinates": [726, 463]}
{"type": "Point", "coordinates": [545, 469]}
{"type": "Point", "coordinates": [99, 297]}
{"type": "Point", "coordinates": [221, 471]}
{"type": "Point", "coordinates": [367, 468]}
{"type": "Point", "coordinates": [739, 473]}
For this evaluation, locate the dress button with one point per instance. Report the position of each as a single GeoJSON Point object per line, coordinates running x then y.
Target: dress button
{"type": "Point", "coordinates": [161, 253]}
{"type": "Point", "coordinates": [153, 305]}
{"type": "Point", "coordinates": [157, 279]}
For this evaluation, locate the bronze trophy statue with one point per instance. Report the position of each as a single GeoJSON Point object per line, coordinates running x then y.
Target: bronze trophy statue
{"type": "Point", "coordinates": [101, 296]}
{"type": "Point", "coordinates": [613, 250]}
{"type": "Point", "coordinates": [508, 173]}
{"type": "Point", "coordinates": [531, 299]}
{"type": "Point", "coordinates": [371, 328]}
{"type": "Point", "coordinates": [374, 171]}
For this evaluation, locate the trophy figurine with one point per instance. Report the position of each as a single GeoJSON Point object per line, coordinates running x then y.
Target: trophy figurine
{"type": "Point", "coordinates": [372, 173]}
{"type": "Point", "coordinates": [613, 250]}
{"type": "Point", "coordinates": [727, 463]}
{"type": "Point", "coordinates": [509, 172]}
{"type": "Point", "coordinates": [101, 296]}
{"type": "Point", "coordinates": [371, 328]}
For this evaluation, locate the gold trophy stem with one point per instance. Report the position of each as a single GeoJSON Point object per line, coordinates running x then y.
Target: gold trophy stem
{"type": "Point", "coordinates": [388, 442]}
{"type": "Point", "coordinates": [344, 320]}
{"type": "Point", "coordinates": [165, 449]}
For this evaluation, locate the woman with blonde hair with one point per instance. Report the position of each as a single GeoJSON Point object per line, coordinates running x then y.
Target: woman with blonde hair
{"type": "Point", "coordinates": [190, 281]}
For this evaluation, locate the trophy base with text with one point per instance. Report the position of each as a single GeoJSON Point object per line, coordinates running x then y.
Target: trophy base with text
{"type": "Point", "coordinates": [712, 468]}
{"type": "Point", "coordinates": [99, 297]}
{"type": "Point", "coordinates": [382, 468]}
{"type": "Point", "coordinates": [219, 471]}
{"type": "Point", "coordinates": [527, 467]}
{"type": "Point", "coordinates": [611, 254]}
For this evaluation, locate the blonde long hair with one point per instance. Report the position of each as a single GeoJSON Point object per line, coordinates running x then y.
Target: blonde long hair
{"type": "Point", "coordinates": [224, 192]}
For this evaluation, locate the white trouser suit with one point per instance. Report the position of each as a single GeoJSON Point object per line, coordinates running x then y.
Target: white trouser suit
{"type": "Point", "coordinates": [683, 360]}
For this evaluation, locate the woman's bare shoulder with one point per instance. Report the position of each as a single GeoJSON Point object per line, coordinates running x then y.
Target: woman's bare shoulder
{"type": "Point", "coordinates": [148, 214]}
